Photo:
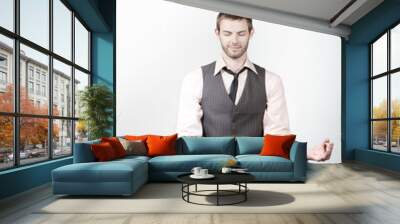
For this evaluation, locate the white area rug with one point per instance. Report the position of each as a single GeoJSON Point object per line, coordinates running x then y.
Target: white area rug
{"type": "Point", "coordinates": [166, 198]}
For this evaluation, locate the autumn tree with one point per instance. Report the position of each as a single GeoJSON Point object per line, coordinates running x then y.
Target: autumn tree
{"type": "Point", "coordinates": [33, 131]}
{"type": "Point", "coordinates": [380, 127]}
{"type": "Point", "coordinates": [6, 122]}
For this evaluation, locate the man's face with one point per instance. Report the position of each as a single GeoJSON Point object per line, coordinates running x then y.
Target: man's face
{"type": "Point", "coordinates": [234, 36]}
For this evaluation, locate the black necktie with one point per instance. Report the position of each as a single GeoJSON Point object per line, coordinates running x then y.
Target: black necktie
{"type": "Point", "coordinates": [234, 85]}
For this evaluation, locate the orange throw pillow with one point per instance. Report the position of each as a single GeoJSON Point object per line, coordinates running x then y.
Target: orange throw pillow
{"type": "Point", "coordinates": [103, 151]}
{"type": "Point", "coordinates": [116, 145]}
{"type": "Point", "coordinates": [275, 145]}
{"type": "Point", "coordinates": [135, 138]}
{"type": "Point", "coordinates": [161, 145]}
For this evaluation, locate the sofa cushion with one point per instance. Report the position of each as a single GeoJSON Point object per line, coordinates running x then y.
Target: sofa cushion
{"type": "Point", "coordinates": [111, 171]}
{"type": "Point", "coordinates": [161, 145]}
{"type": "Point", "coordinates": [134, 147]}
{"type": "Point", "coordinates": [116, 145]}
{"type": "Point", "coordinates": [185, 163]}
{"type": "Point", "coordinates": [136, 137]}
{"type": "Point", "coordinates": [277, 145]}
{"type": "Point", "coordinates": [257, 163]}
{"type": "Point", "coordinates": [249, 145]}
{"type": "Point", "coordinates": [206, 145]}
{"type": "Point", "coordinates": [103, 152]}
{"type": "Point", "coordinates": [133, 158]}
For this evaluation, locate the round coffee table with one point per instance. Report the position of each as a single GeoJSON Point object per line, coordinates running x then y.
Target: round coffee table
{"type": "Point", "coordinates": [238, 179]}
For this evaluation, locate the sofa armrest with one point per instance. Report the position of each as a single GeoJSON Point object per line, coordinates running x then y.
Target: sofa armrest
{"type": "Point", "coordinates": [83, 152]}
{"type": "Point", "coordinates": [298, 155]}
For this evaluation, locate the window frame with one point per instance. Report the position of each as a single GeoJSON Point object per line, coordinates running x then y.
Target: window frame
{"type": "Point", "coordinates": [15, 72]}
{"type": "Point", "coordinates": [388, 74]}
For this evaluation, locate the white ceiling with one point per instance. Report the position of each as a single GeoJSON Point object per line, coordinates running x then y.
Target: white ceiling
{"type": "Point", "coordinates": [321, 9]}
{"type": "Point", "coordinates": [316, 15]}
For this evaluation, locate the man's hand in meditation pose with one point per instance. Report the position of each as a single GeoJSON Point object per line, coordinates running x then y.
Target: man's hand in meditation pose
{"type": "Point", "coordinates": [321, 152]}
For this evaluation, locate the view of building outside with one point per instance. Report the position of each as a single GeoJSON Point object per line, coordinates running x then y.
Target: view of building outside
{"type": "Point", "coordinates": [380, 88]}
{"type": "Point", "coordinates": [34, 99]}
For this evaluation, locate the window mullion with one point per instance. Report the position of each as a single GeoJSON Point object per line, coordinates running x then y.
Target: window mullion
{"type": "Point", "coordinates": [370, 97]}
{"type": "Point", "coordinates": [50, 81]}
{"type": "Point", "coordinates": [389, 94]}
{"type": "Point", "coordinates": [73, 82]}
{"type": "Point", "coordinates": [16, 84]}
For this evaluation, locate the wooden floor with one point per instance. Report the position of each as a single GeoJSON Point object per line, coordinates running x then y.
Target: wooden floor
{"type": "Point", "coordinates": [377, 188]}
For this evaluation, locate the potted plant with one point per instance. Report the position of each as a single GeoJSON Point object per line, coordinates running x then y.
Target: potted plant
{"type": "Point", "coordinates": [96, 102]}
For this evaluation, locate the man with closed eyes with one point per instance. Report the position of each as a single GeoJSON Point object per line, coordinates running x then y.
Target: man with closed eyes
{"type": "Point", "coordinates": [233, 96]}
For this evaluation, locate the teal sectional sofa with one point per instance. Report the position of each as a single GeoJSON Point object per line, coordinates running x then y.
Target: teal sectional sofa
{"type": "Point", "coordinates": [125, 176]}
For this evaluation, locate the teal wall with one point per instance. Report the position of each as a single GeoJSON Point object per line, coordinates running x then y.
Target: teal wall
{"type": "Point", "coordinates": [24, 178]}
{"type": "Point", "coordinates": [102, 58]}
{"type": "Point", "coordinates": [356, 125]}
{"type": "Point", "coordinates": [103, 52]}
{"type": "Point", "coordinates": [99, 15]}
{"type": "Point", "coordinates": [103, 64]}
{"type": "Point", "coordinates": [356, 100]}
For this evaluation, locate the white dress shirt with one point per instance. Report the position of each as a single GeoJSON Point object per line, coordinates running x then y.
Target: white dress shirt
{"type": "Point", "coordinates": [276, 118]}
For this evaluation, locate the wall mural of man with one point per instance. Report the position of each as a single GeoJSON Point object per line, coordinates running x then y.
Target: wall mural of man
{"type": "Point", "coordinates": [233, 96]}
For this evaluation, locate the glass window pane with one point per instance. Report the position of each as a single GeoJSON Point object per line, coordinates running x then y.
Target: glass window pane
{"type": "Point", "coordinates": [34, 97]}
{"type": "Point", "coordinates": [379, 100]}
{"type": "Point", "coordinates": [379, 135]}
{"type": "Point", "coordinates": [395, 136]}
{"type": "Point", "coordinates": [6, 74]}
{"type": "Point", "coordinates": [81, 131]}
{"type": "Point", "coordinates": [7, 14]}
{"type": "Point", "coordinates": [62, 29]}
{"type": "Point", "coordinates": [379, 55]}
{"type": "Point", "coordinates": [62, 137]}
{"type": "Point", "coordinates": [81, 45]}
{"type": "Point", "coordinates": [395, 94]}
{"type": "Point", "coordinates": [81, 81]}
{"type": "Point", "coordinates": [35, 21]}
{"type": "Point", "coordinates": [395, 47]}
{"type": "Point", "coordinates": [62, 89]}
{"type": "Point", "coordinates": [33, 140]}
{"type": "Point", "coordinates": [6, 142]}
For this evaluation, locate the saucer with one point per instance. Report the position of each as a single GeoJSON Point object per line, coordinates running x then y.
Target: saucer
{"type": "Point", "coordinates": [208, 176]}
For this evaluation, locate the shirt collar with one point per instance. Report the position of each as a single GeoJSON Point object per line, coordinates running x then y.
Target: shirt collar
{"type": "Point", "coordinates": [220, 63]}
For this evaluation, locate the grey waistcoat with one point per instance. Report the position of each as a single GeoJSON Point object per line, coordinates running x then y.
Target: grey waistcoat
{"type": "Point", "coordinates": [221, 117]}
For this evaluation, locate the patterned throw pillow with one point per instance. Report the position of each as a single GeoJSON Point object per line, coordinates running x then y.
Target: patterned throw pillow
{"type": "Point", "coordinates": [134, 147]}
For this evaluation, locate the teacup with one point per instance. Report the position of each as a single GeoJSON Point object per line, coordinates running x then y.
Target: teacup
{"type": "Point", "coordinates": [203, 172]}
{"type": "Point", "coordinates": [196, 170]}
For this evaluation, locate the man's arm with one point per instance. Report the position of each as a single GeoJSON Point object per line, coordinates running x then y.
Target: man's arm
{"type": "Point", "coordinates": [190, 111]}
{"type": "Point", "coordinates": [276, 116]}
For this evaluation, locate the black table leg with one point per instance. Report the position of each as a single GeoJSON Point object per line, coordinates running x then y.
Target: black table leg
{"type": "Point", "coordinates": [245, 193]}
{"type": "Point", "coordinates": [217, 194]}
{"type": "Point", "coordinates": [188, 190]}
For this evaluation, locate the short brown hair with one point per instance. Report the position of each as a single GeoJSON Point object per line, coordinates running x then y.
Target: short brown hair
{"type": "Point", "coordinates": [222, 16]}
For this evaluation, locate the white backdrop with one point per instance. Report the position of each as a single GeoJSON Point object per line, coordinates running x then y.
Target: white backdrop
{"type": "Point", "coordinates": [159, 42]}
